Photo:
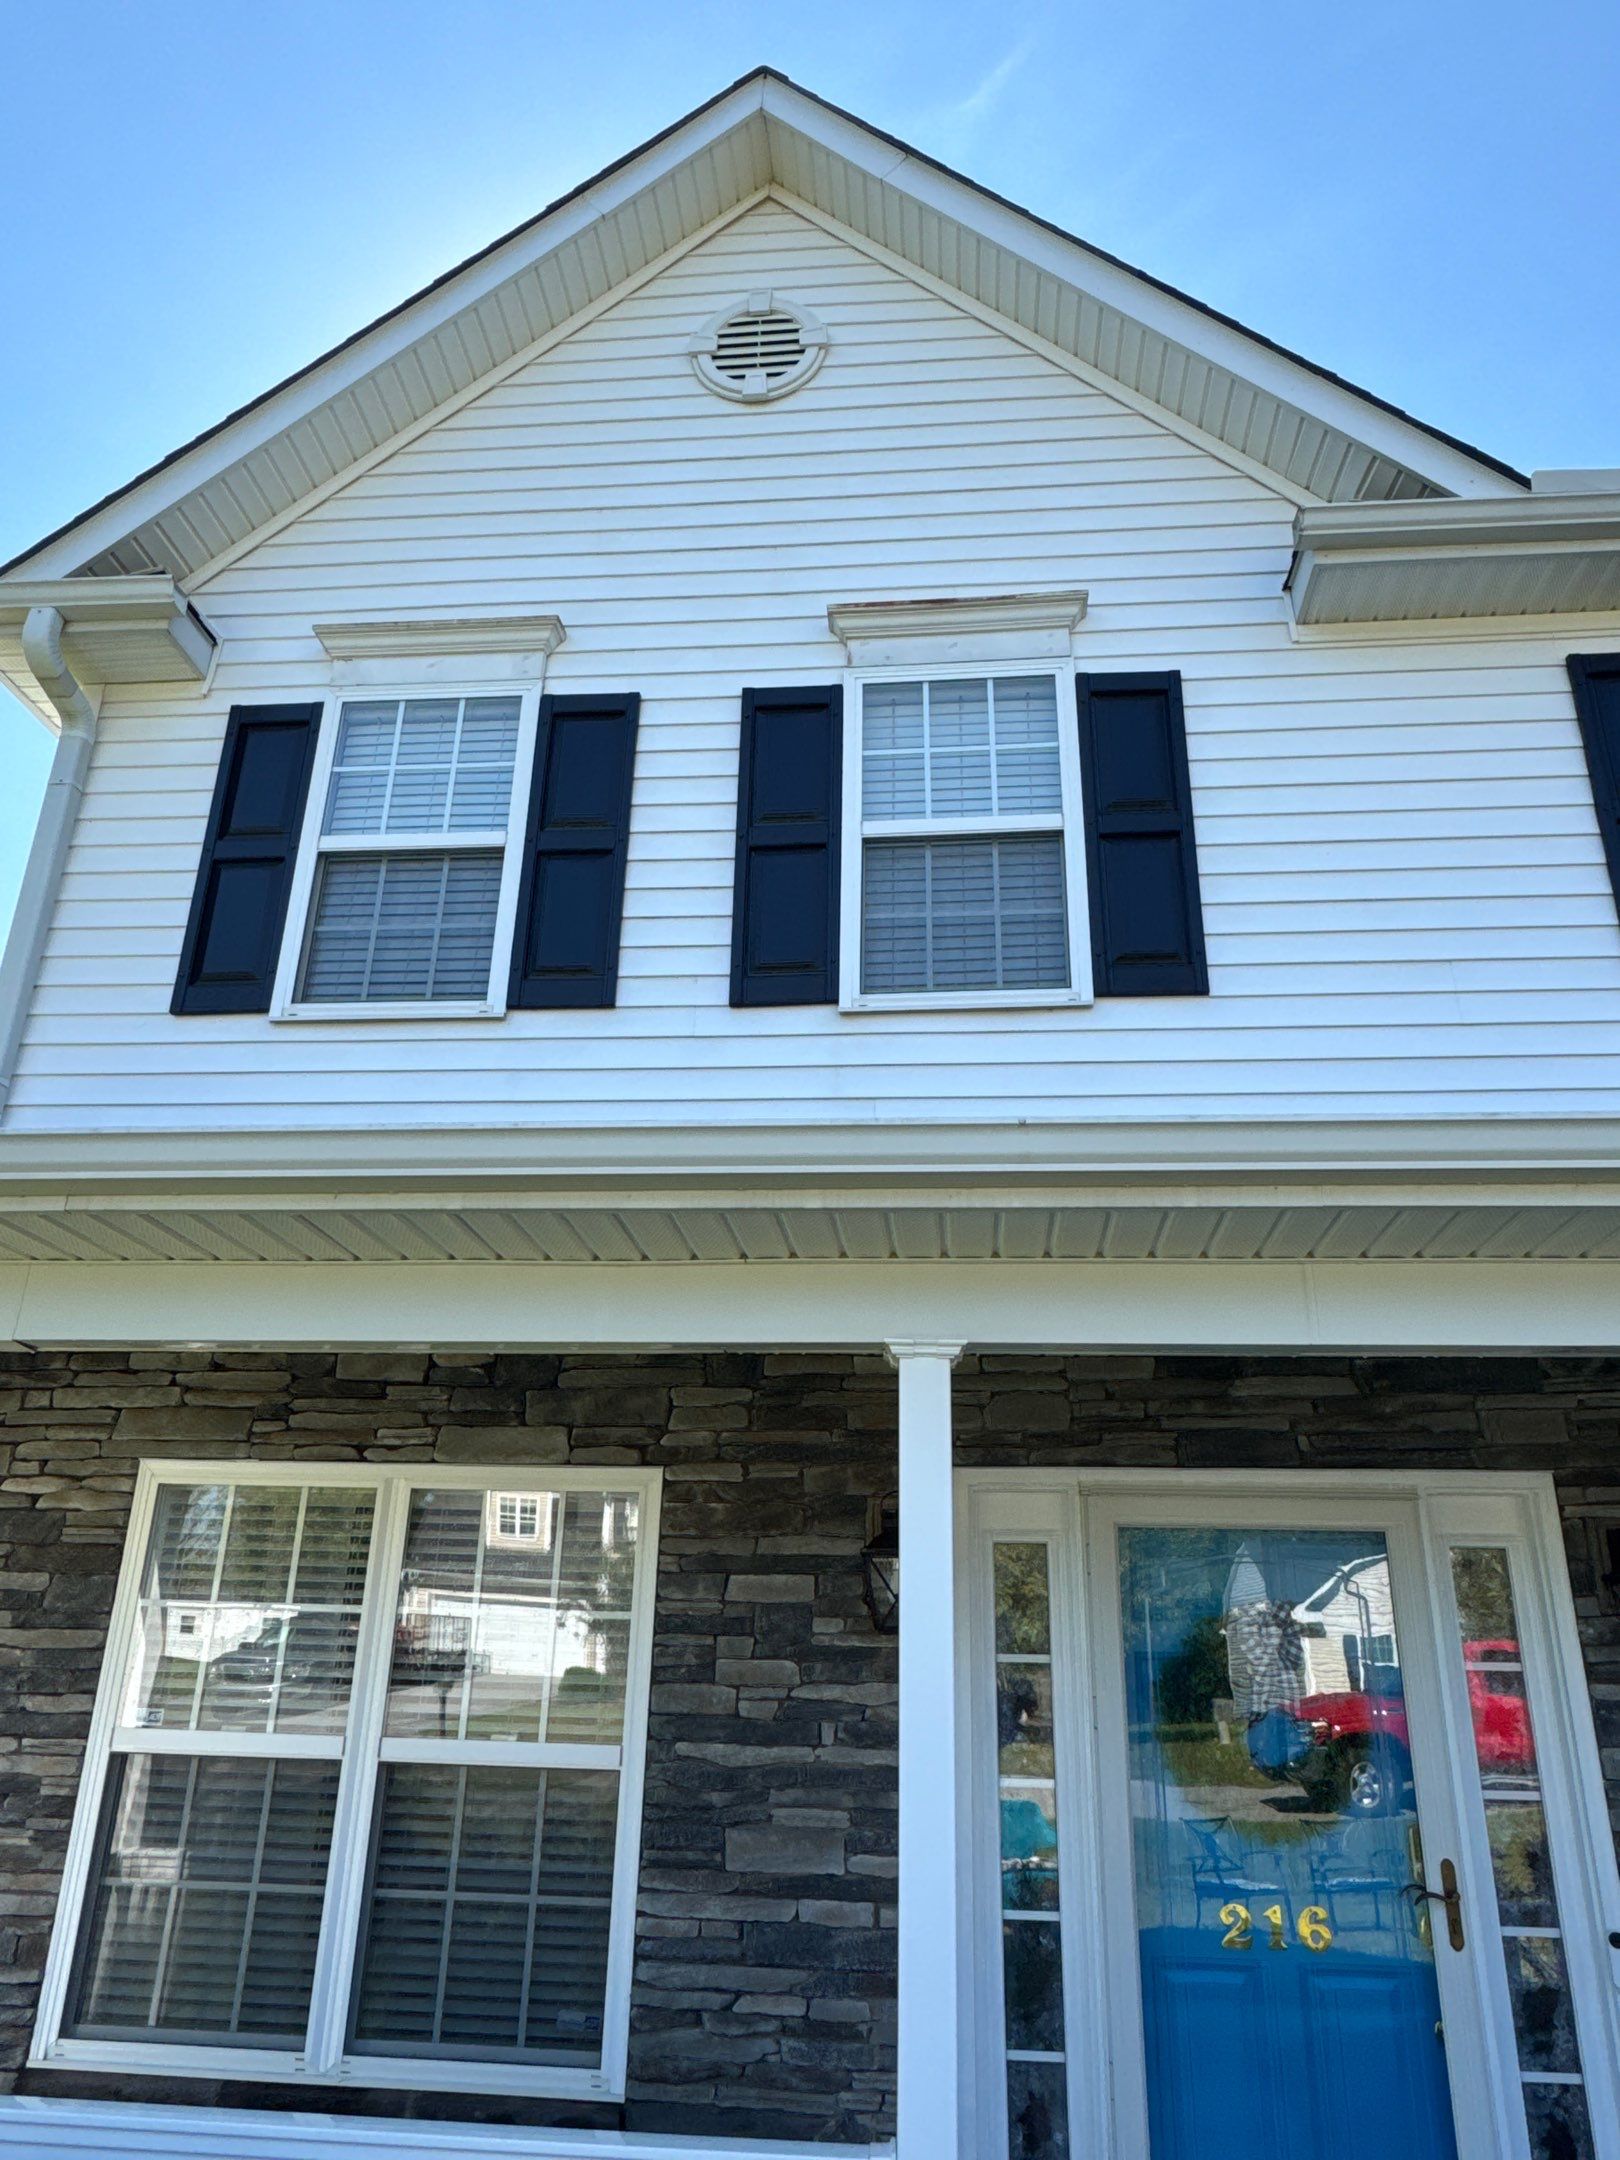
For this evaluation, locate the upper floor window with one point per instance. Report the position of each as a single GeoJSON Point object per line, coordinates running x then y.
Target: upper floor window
{"type": "Point", "coordinates": [408, 875]}
{"type": "Point", "coordinates": [964, 864]}
{"type": "Point", "coordinates": [362, 1796]}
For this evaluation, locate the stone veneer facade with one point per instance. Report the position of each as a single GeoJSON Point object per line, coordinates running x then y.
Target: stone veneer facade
{"type": "Point", "coordinates": [764, 1977]}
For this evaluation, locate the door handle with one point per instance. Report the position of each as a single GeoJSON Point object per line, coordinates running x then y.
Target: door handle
{"type": "Point", "coordinates": [1450, 1897]}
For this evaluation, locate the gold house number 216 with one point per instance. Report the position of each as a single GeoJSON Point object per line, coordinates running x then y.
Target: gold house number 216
{"type": "Point", "coordinates": [1311, 1927]}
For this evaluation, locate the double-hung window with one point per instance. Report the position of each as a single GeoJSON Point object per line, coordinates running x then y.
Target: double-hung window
{"type": "Point", "coordinates": [964, 863]}
{"type": "Point", "coordinates": [363, 1792]}
{"type": "Point", "coordinates": [407, 884]}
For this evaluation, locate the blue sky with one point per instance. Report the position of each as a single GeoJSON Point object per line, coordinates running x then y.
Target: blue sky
{"type": "Point", "coordinates": [1417, 193]}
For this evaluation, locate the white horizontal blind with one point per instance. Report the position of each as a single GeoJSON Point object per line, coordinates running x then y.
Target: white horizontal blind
{"type": "Point", "coordinates": [208, 1908]}
{"type": "Point", "coordinates": [964, 915]}
{"type": "Point", "coordinates": [490, 1900]}
{"type": "Point", "coordinates": [477, 1782]}
{"type": "Point", "coordinates": [970, 893]}
{"type": "Point", "coordinates": [971, 748]}
{"type": "Point", "coordinates": [422, 765]}
{"type": "Point", "coordinates": [392, 927]}
{"type": "Point", "coordinates": [418, 925]}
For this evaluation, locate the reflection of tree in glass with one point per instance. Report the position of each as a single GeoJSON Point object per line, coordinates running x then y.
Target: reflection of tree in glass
{"type": "Point", "coordinates": [1484, 1594]}
{"type": "Point", "coordinates": [1195, 1674]}
{"type": "Point", "coordinates": [594, 1587]}
{"type": "Point", "coordinates": [1022, 1620]}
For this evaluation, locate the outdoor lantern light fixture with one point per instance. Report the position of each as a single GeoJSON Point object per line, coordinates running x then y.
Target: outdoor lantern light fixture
{"type": "Point", "coordinates": [880, 1565]}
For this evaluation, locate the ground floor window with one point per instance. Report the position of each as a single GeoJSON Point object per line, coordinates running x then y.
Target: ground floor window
{"type": "Point", "coordinates": [364, 1784]}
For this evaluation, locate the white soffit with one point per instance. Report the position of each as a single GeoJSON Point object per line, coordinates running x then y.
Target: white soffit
{"type": "Point", "coordinates": [1448, 560]}
{"type": "Point", "coordinates": [1116, 1228]}
{"type": "Point", "coordinates": [1313, 430]}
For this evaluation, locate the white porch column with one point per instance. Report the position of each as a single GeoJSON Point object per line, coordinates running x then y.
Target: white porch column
{"type": "Point", "coordinates": [928, 1890]}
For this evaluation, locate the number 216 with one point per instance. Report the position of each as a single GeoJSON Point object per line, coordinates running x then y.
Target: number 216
{"type": "Point", "coordinates": [1312, 1927]}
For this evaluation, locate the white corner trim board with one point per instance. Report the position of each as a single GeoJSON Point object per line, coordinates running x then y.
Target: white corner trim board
{"type": "Point", "coordinates": [39, 2129]}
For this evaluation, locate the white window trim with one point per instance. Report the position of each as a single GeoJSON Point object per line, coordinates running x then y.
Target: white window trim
{"type": "Point", "coordinates": [361, 1749]}
{"type": "Point", "coordinates": [313, 844]}
{"type": "Point", "coordinates": [855, 830]}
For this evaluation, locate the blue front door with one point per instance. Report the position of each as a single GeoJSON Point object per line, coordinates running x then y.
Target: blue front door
{"type": "Point", "coordinates": [1289, 2001]}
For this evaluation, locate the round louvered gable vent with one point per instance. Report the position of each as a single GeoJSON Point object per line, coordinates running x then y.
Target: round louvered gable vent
{"type": "Point", "coordinates": [759, 348]}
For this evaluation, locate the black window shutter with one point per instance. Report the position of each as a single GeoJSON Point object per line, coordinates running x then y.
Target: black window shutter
{"type": "Point", "coordinates": [784, 923]}
{"type": "Point", "coordinates": [1147, 923]}
{"type": "Point", "coordinates": [1595, 680]}
{"type": "Point", "coordinates": [571, 899]}
{"type": "Point", "coordinates": [239, 906]}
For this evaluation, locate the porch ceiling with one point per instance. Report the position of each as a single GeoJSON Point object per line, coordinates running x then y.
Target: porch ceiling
{"type": "Point", "coordinates": [1101, 1227]}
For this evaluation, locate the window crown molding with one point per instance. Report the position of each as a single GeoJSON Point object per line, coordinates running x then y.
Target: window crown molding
{"type": "Point", "coordinates": [893, 633]}
{"type": "Point", "coordinates": [446, 635]}
{"type": "Point", "coordinates": [468, 650]}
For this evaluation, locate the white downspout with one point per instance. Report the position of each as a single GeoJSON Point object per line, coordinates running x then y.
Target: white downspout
{"type": "Point", "coordinates": [36, 901]}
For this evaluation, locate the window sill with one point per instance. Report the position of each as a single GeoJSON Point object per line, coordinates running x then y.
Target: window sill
{"type": "Point", "coordinates": [361, 2072]}
{"type": "Point", "coordinates": [933, 1001]}
{"type": "Point", "coordinates": [414, 1009]}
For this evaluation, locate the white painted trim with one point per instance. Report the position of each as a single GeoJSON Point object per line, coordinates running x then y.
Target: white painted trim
{"type": "Point", "coordinates": [1569, 1161]}
{"type": "Point", "coordinates": [285, 1005]}
{"type": "Point", "coordinates": [889, 633]}
{"type": "Point", "coordinates": [930, 2099]}
{"type": "Point", "coordinates": [362, 1748]}
{"type": "Point", "coordinates": [1066, 822]}
{"type": "Point", "coordinates": [441, 637]}
{"type": "Point", "coordinates": [1358, 1308]}
{"type": "Point", "coordinates": [46, 2129]}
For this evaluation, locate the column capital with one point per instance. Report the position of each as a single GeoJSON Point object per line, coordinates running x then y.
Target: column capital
{"type": "Point", "coordinates": [922, 1347]}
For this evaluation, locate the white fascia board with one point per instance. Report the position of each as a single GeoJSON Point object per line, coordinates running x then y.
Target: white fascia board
{"type": "Point", "coordinates": [126, 513]}
{"type": "Point", "coordinates": [1352, 1308]}
{"type": "Point", "coordinates": [1225, 345]}
{"type": "Point", "coordinates": [1516, 520]}
{"type": "Point", "coordinates": [434, 1161]}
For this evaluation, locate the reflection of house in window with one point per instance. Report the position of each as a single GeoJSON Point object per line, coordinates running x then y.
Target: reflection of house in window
{"type": "Point", "coordinates": [520, 1519]}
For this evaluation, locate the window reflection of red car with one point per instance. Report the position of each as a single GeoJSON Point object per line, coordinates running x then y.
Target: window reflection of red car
{"type": "Point", "coordinates": [1355, 1752]}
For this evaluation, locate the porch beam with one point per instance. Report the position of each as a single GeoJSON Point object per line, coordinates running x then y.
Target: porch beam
{"type": "Point", "coordinates": [929, 2104]}
{"type": "Point", "coordinates": [1356, 1308]}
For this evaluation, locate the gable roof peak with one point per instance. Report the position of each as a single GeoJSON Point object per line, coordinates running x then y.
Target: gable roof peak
{"type": "Point", "coordinates": [1323, 437]}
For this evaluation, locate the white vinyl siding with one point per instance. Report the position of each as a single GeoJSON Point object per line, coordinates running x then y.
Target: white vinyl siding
{"type": "Point", "coordinates": [364, 1786]}
{"type": "Point", "coordinates": [1405, 899]}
